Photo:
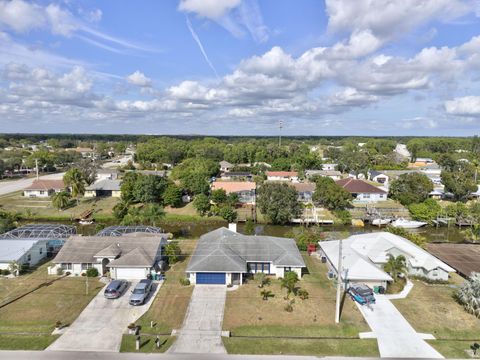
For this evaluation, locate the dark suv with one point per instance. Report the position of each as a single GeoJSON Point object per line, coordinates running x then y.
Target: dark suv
{"type": "Point", "coordinates": [115, 289]}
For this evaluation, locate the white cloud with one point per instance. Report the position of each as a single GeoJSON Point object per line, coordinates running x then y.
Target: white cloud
{"type": "Point", "coordinates": [464, 106]}
{"type": "Point", "coordinates": [212, 9]}
{"type": "Point", "coordinates": [21, 16]}
{"type": "Point", "coordinates": [138, 78]}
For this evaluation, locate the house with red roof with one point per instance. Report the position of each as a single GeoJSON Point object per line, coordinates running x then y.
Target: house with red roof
{"type": "Point", "coordinates": [362, 190]}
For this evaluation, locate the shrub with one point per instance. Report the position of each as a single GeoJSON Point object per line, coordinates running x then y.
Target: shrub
{"type": "Point", "coordinates": [289, 305]}
{"type": "Point", "coordinates": [131, 326]}
{"type": "Point", "coordinates": [58, 324]}
{"type": "Point", "coordinates": [59, 271]}
{"type": "Point", "coordinates": [303, 294]}
{"type": "Point", "coordinates": [184, 281]}
{"type": "Point", "coordinates": [92, 272]}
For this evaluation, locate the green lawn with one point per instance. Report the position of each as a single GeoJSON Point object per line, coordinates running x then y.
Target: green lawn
{"type": "Point", "coordinates": [42, 209]}
{"type": "Point", "coordinates": [34, 316]}
{"type": "Point", "coordinates": [246, 314]}
{"type": "Point", "coordinates": [147, 344]}
{"type": "Point", "coordinates": [452, 349]}
{"type": "Point", "coordinates": [169, 306]}
{"type": "Point", "coordinates": [327, 347]}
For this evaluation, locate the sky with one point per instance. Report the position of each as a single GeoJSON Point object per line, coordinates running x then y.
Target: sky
{"type": "Point", "coordinates": [239, 67]}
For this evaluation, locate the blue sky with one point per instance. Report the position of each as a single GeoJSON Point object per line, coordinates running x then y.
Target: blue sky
{"type": "Point", "coordinates": [237, 67]}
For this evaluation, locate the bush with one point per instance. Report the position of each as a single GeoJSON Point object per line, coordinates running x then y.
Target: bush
{"type": "Point", "coordinates": [92, 272]}
{"type": "Point", "coordinates": [303, 294]}
{"type": "Point", "coordinates": [289, 306]}
{"type": "Point", "coordinates": [59, 271]}
{"type": "Point", "coordinates": [184, 282]}
{"type": "Point", "coordinates": [429, 281]}
{"type": "Point", "coordinates": [344, 216]}
{"type": "Point", "coordinates": [5, 272]}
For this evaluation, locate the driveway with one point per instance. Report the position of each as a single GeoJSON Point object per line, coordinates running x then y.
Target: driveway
{"type": "Point", "coordinates": [7, 187]}
{"type": "Point", "coordinates": [395, 336]}
{"type": "Point", "coordinates": [102, 323]}
{"type": "Point", "coordinates": [202, 328]}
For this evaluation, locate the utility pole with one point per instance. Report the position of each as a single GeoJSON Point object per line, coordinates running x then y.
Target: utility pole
{"type": "Point", "coordinates": [36, 167]}
{"type": "Point", "coordinates": [339, 283]}
{"type": "Point", "coordinates": [280, 126]}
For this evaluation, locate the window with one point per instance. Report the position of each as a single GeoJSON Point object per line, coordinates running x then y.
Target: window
{"type": "Point", "coordinates": [86, 266]}
{"type": "Point", "coordinates": [255, 267]}
{"type": "Point", "coordinates": [366, 196]}
{"type": "Point", "coordinates": [29, 257]}
{"type": "Point", "coordinates": [42, 192]}
{"type": "Point", "coordinates": [66, 266]}
{"type": "Point", "coordinates": [288, 269]}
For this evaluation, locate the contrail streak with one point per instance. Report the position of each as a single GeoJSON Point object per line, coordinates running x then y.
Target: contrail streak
{"type": "Point", "coordinates": [197, 39]}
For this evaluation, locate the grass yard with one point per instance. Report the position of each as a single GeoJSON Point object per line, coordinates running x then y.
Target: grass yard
{"type": "Point", "coordinates": [432, 309]}
{"type": "Point", "coordinates": [33, 317]}
{"type": "Point", "coordinates": [246, 314]}
{"type": "Point", "coordinates": [169, 306]}
{"type": "Point", "coordinates": [147, 344]}
{"type": "Point", "coordinates": [42, 209]}
{"type": "Point", "coordinates": [327, 347]}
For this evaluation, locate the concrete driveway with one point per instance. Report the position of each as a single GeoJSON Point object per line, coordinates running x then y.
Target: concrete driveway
{"type": "Point", "coordinates": [202, 328]}
{"type": "Point", "coordinates": [102, 323]}
{"type": "Point", "coordinates": [395, 336]}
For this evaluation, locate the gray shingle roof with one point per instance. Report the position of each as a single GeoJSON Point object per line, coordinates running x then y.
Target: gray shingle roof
{"type": "Point", "coordinates": [225, 250]}
{"type": "Point", "coordinates": [136, 258]}
{"type": "Point", "coordinates": [106, 184]}
{"type": "Point", "coordinates": [83, 249]}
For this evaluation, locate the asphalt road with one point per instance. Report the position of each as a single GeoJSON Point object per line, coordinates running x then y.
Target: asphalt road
{"type": "Point", "coordinates": [7, 187]}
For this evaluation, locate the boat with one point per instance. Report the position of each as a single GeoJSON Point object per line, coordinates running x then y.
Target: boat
{"type": "Point", "coordinates": [380, 221]}
{"type": "Point", "coordinates": [408, 224]}
{"type": "Point", "coordinates": [85, 222]}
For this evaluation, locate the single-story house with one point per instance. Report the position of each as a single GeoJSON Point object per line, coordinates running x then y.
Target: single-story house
{"type": "Point", "coordinates": [356, 175]}
{"type": "Point", "coordinates": [107, 174]}
{"type": "Point", "coordinates": [104, 187]}
{"type": "Point", "coordinates": [419, 162]}
{"type": "Point", "coordinates": [130, 256]}
{"type": "Point", "coordinates": [85, 152]}
{"type": "Point", "coordinates": [378, 176]}
{"type": "Point", "coordinates": [362, 191]}
{"type": "Point", "coordinates": [225, 166]}
{"type": "Point", "coordinates": [44, 188]}
{"type": "Point", "coordinates": [22, 251]}
{"type": "Point", "coordinates": [304, 191]}
{"type": "Point", "coordinates": [329, 167]}
{"type": "Point", "coordinates": [223, 256]}
{"type": "Point", "coordinates": [244, 189]}
{"type": "Point", "coordinates": [333, 174]}
{"type": "Point", "coordinates": [282, 175]}
{"type": "Point", "coordinates": [364, 256]}
{"type": "Point", "coordinates": [238, 175]}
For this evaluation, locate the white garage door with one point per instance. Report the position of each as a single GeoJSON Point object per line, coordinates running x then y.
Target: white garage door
{"type": "Point", "coordinates": [131, 273]}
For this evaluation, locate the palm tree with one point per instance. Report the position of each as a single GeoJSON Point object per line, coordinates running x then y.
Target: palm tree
{"type": "Point", "coordinates": [61, 200]}
{"type": "Point", "coordinates": [395, 266]}
{"type": "Point", "coordinates": [469, 295]}
{"type": "Point", "coordinates": [289, 282]}
{"type": "Point", "coordinates": [75, 180]}
{"type": "Point", "coordinates": [473, 233]}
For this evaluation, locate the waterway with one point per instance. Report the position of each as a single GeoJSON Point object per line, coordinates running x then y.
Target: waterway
{"type": "Point", "coordinates": [194, 229]}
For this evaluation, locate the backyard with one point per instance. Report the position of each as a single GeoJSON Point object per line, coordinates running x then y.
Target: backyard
{"type": "Point", "coordinates": [248, 315]}
{"type": "Point", "coordinates": [432, 309]}
{"type": "Point", "coordinates": [169, 306]}
{"type": "Point", "coordinates": [28, 322]}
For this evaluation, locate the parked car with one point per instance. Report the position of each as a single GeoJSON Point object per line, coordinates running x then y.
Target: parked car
{"type": "Point", "coordinates": [141, 291]}
{"type": "Point", "coordinates": [115, 289]}
{"type": "Point", "coordinates": [362, 294]}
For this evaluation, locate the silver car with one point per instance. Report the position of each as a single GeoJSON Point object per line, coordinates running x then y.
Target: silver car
{"type": "Point", "coordinates": [140, 293]}
{"type": "Point", "coordinates": [115, 289]}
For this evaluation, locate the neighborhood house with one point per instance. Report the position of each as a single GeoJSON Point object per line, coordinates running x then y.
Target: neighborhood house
{"type": "Point", "coordinates": [225, 166]}
{"type": "Point", "coordinates": [333, 174]}
{"type": "Point", "coordinates": [244, 189]}
{"type": "Point", "coordinates": [223, 256]}
{"type": "Point", "coordinates": [130, 256]}
{"type": "Point", "coordinates": [304, 191]}
{"type": "Point", "coordinates": [362, 191]}
{"type": "Point", "coordinates": [282, 175]}
{"type": "Point", "coordinates": [104, 187]}
{"type": "Point", "coordinates": [22, 251]}
{"type": "Point", "coordinates": [363, 258]}
{"type": "Point", "coordinates": [44, 188]}
{"type": "Point", "coordinates": [378, 177]}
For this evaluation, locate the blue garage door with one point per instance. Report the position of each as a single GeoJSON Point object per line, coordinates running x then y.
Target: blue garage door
{"type": "Point", "coordinates": [211, 278]}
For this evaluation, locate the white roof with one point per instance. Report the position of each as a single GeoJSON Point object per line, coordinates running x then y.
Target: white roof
{"type": "Point", "coordinates": [363, 251]}
{"type": "Point", "coordinates": [12, 250]}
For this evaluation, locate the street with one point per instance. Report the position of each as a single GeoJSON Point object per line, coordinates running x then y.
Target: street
{"type": "Point", "coordinates": [7, 187]}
